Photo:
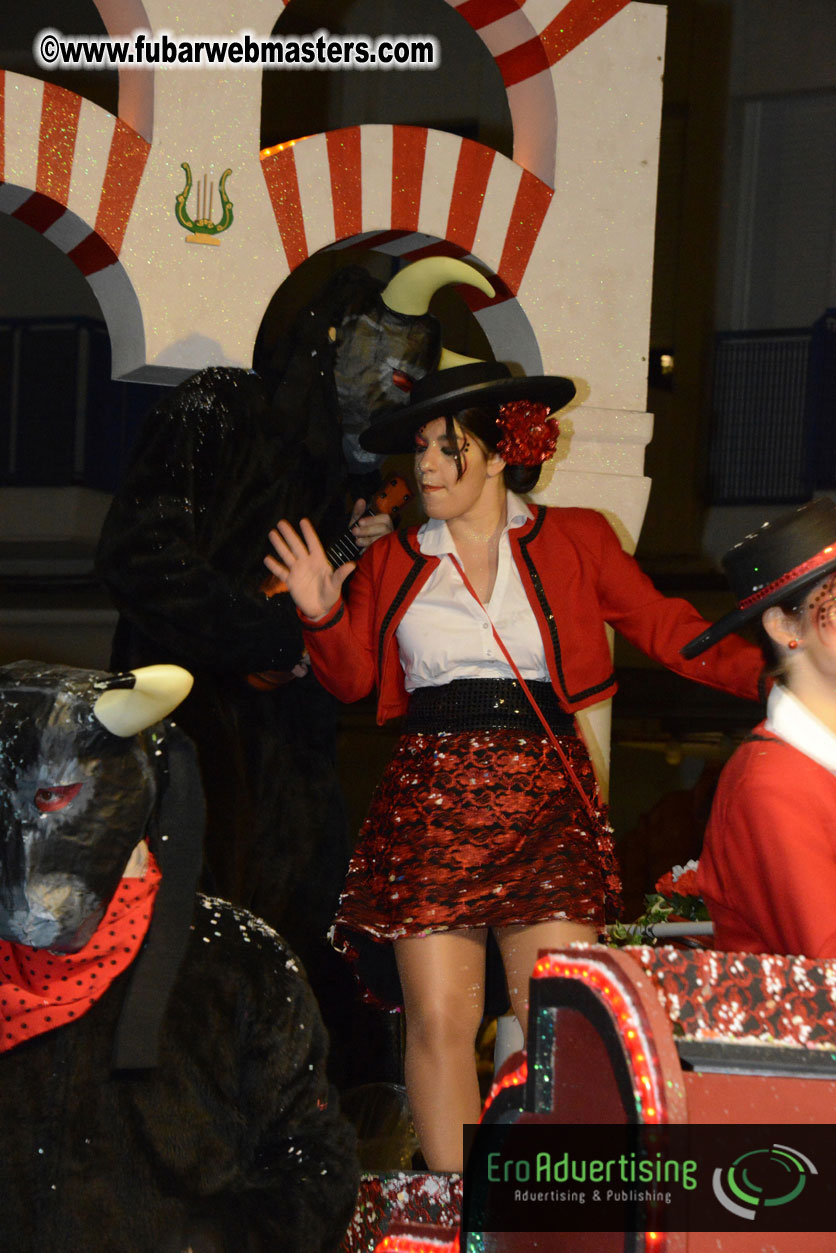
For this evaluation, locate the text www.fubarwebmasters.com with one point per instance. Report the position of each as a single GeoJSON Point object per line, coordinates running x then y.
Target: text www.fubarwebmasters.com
{"type": "Point", "coordinates": [246, 50]}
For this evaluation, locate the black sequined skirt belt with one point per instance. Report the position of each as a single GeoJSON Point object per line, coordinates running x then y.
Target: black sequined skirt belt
{"type": "Point", "coordinates": [483, 704]}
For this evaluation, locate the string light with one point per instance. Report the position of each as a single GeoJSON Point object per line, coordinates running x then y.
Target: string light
{"type": "Point", "coordinates": [288, 143]}
{"type": "Point", "coordinates": [512, 1080]}
{"type": "Point", "coordinates": [403, 1242]}
{"type": "Point", "coordinates": [650, 1103]}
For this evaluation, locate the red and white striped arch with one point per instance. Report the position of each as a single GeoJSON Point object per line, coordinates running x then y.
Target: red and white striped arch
{"type": "Point", "coordinates": [527, 38]}
{"type": "Point", "coordinates": [71, 171]}
{"type": "Point", "coordinates": [408, 180]}
{"type": "Point", "coordinates": [96, 188]}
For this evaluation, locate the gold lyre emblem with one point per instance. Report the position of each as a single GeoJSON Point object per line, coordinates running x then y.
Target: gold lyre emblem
{"type": "Point", "coordinates": [203, 229]}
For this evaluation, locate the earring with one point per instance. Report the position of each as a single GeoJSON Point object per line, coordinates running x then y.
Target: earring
{"type": "Point", "coordinates": [792, 643]}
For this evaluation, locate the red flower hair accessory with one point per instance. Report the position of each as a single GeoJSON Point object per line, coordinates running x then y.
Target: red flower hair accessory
{"type": "Point", "coordinates": [529, 436]}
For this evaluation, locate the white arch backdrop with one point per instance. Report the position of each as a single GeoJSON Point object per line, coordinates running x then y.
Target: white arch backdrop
{"type": "Point", "coordinates": [566, 227]}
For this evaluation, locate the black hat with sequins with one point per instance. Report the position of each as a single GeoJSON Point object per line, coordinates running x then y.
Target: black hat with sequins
{"type": "Point", "coordinates": [781, 560]}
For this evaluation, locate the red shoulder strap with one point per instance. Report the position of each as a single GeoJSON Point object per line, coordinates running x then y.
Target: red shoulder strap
{"type": "Point", "coordinates": [555, 743]}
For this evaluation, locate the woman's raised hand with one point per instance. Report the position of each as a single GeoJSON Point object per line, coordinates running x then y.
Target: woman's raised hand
{"type": "Point", "coordinates": [302, 564]}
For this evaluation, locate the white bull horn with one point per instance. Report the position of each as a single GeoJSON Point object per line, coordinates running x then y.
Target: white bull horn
{"type": "Point", "coordinates": [157, 690]}
{"type": "Point", "coordinates": [413, 287]}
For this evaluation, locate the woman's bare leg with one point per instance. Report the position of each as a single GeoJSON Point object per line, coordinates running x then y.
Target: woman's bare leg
{"type": "Point", "coordinates": [443, 981]}
{"type": "Point", "coordinates": [519, 947]}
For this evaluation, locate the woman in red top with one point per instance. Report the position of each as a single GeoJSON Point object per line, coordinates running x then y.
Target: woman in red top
{"type": "Point", "coordinates": [768, 867]}
{"type": "Point", "coordinates": [482, 822]}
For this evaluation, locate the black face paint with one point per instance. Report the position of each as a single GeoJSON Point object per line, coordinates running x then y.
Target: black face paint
{"type": "Point", "coordinates": [459, 451]}
{"type": "Point", "coordinates": [378, 355]}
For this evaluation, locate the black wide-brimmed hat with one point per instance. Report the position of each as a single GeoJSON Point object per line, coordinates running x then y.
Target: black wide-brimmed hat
{"type": "Point", "coordinates": [781, 560]}
{"type": "Point", "coordinates": [447, 392]}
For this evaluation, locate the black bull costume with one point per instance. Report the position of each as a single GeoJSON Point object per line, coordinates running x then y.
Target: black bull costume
{"type": "Point", "coordinates": [217, 464]}
{"type": "Point", "coordinates": [162, 1058]}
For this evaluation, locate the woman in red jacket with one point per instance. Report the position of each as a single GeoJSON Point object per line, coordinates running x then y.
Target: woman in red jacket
{"type": "Point", "coordinates": [768, 866]}
{"type": "Point", "coordinates": [486, 819]}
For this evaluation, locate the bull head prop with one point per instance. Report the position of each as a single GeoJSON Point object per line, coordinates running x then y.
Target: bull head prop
{"type": "Point", "coordinates": [385, 341]}
{"type": "Point", "coordinates": [87, 771]}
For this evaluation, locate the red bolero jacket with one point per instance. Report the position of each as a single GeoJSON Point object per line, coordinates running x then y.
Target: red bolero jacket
{"type": "Point", "coordinates": [767, 870]}
{"type": "Point", "coordinates": [577, 578]}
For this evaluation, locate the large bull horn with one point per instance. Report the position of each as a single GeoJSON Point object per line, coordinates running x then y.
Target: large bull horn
{"type": "Point", "coordinates": [413, 287]}
{"type": "Point", "coordinates": [155, 692]}
{"type": "Point", "coordinates": [448, 359]}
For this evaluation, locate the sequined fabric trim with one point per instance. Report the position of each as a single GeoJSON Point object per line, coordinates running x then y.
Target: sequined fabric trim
{"type": "Point", "coordinates": [827, 555]}
{"type": "Point", "coordinates": [479, 829]}
{"type": "Point", "coordinates": [479, 704]}
{"type": "Point", "coordinates": [763, 998]}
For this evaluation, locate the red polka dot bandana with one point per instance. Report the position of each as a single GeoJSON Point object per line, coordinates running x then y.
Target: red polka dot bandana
{"type": "Point", "coordinates": [41, 990]}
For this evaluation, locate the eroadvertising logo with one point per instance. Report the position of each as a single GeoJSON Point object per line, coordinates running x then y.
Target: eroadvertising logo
{"type": "Point", "coordinates": [534, 1176]}
{"type": "Point", "coordinates": [762, 1178]}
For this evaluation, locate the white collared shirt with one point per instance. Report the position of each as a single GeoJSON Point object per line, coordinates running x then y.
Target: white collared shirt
{"type": "Point", "coordinates": [793, 722]}
{"type": "Point", "coordinates": [446, 634]}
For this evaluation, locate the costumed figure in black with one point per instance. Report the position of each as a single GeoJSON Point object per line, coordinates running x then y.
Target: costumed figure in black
{"type": "Point", "coordinates": [162, 1057]}
{"type": "Point", "coordinates": [486, 627]}
{"type": "Point", "coordinates": [181, 554]}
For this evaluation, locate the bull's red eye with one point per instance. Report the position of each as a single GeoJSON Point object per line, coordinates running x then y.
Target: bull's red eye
{"type": "Point", "coordinates": [401, 380]}
{"type": "Point", "coordinates": [48, 799]}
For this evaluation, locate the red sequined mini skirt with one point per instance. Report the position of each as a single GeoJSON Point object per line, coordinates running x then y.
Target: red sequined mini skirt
{"type": "Point", "coordinates": [474, 829]}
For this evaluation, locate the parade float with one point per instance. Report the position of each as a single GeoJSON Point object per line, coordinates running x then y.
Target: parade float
{"type": "Point", "coordinates": [563, 229]}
